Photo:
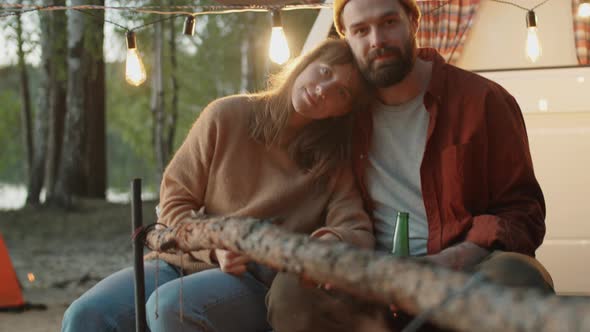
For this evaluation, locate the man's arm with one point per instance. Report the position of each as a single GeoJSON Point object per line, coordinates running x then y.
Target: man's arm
{"type": "Point", "coordinates": [460, 256]}
{"type": "Point", "coordinates": [515, 216]}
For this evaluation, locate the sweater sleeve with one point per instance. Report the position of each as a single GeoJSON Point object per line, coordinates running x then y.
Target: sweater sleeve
{"type": "Point", "coordinates": [345, 216]}
{"type": "Point", "coordinates": [184, 182]}
{"type": "Point", "coordinates": [515, 220]}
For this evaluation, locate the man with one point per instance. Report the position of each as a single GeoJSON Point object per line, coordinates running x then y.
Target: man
{"type": "Point", "coordinates": [441, 143]}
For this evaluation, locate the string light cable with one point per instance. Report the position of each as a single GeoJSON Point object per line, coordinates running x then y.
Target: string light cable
{"type": "Point", "coordinates": [135, 70]}
{"type": "Point", "coordinates": [195, 10]}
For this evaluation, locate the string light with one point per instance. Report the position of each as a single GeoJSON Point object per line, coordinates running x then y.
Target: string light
{"type": "Point", "coordinates": [533, 45]}
{"type": "Point", "coordinates": [584, 8]}
{"type": "Point", "coordinates": [134, 69]}
{"type": "Point", "coordinates": [278, 50]}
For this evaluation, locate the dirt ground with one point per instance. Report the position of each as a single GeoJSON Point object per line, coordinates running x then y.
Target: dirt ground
{"type": "Point", "coordinates": [68, 252]}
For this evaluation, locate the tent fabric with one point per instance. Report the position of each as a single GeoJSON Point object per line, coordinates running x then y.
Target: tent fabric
{"type": "Point", "coordinates": [581, 35]}
{"type": "Point", "coordinates": [11, 296]}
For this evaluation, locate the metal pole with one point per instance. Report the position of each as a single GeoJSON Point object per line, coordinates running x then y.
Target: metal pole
{"type": "Point", "coordinates": [136, 223]}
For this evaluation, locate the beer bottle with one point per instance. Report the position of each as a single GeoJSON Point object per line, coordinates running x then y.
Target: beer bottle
{"type": "Point", "coordinates": [401, 238]}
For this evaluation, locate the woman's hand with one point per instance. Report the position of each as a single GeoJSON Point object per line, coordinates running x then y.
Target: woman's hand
{"type": "Point", "coordinates": [307, 281]}
{"type": "Point", "coordinates": [230, 262]}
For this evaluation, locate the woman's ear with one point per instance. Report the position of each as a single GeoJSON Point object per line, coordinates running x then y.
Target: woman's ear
{"type": "Point", "coordinates": [414, 25]}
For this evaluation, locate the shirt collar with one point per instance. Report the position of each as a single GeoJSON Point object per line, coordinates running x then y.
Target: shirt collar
{"type": "Point", "coordinates": [438, 79]}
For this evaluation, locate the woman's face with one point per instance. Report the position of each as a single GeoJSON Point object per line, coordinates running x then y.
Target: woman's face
{"type": "Point", "coordinates": [322, 91]}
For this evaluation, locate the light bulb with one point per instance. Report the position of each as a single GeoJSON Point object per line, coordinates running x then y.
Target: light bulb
{"type": "Point", "coordinates": [279, 48]}
{"type": "Point", "coordinates": [584, 9]}
{"type": "Point", "coordinates": [533, 45]}
{"type": "Point", "coordinates": [134, 69]}
{"type": "Point", "coordinates": [189, 26]}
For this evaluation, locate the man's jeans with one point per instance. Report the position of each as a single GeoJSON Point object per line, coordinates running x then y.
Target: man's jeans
{"type": "Point", "coordinates": [212, 301]}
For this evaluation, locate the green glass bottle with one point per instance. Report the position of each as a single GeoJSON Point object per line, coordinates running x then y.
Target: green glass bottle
{"type": "Point", "coordinates": [401, 237]}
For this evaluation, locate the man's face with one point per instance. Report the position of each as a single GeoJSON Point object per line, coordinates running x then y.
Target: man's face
{"type": "Point", "coordinates": [382, 39]}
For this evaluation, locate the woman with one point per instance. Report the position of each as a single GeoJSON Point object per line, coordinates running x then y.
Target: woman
{"type": "Point", "coordinates": [281, 153]}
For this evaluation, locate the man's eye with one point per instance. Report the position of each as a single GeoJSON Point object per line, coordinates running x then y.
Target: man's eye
{"type": "Point", "coordinates": [390, 22]}
{"type": "Point", "coordinates": [324, 71]}
{"type": "Point", "coordinates": [342, 92]}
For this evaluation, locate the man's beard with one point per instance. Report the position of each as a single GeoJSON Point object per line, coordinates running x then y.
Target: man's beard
{"type": "Point", "coordinates": [391, 71]}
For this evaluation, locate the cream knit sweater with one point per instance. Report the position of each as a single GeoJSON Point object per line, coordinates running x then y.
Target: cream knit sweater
{"type": "Point", "coordinates": [221, 169]}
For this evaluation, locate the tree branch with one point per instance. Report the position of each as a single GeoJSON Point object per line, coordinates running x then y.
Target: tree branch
{"type": "Point", "coordinates": [413, 286]}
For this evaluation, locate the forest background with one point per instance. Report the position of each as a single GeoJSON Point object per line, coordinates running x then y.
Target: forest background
{"type": "Point", "coordinates": [74, 133]}
{"type": "Point", "coordinates": [70, 131]}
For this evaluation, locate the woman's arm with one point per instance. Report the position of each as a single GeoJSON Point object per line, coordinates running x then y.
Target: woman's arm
{"type": "Point", "coordinates": [345, 217]}
{"type": "Point", "coordinates": [184, 182]}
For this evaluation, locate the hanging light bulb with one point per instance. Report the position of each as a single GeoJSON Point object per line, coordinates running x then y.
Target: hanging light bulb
{"type": "Point", "coordinates": [189, 26]}
{"type": "Point", "coordinates": [134, 69]}
{"type": "Point", "coordinates": [533, 45]}
{"type": "Point", "coordinates": [584, 8]}
{"type": "Point", "coordinates": [279, 48]}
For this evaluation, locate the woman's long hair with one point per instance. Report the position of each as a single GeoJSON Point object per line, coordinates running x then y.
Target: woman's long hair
{"type": "Point", "coordinates": [323, 145]}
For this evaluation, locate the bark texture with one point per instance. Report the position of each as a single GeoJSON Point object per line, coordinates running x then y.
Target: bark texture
{"type": "Point", "coordinates": [82, 167]}
{"type": "Point", "coordinates": [157, 102]}
{"type": "Point", "coordinates": [411, 285]}
{"type": "Point", "coordinates": [51, 110]}
{"type": "Point", "coordinates": [26, 109]}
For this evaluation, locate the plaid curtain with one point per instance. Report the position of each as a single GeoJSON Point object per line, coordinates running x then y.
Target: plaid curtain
{"type": "Point", "coordinates": [581, 35]}
{"type": "Point", "coordinates": [445, 25]}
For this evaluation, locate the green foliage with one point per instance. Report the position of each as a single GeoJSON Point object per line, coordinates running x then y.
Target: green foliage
{"type": "Point", "coordinates": [11, 153]}
{"type": "Point", "coordinates": [126, 164]}
{"type": "Point", "coordinates": [12, 149]}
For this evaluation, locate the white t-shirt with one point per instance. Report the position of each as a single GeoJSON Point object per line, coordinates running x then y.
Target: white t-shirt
{"type": "Point", "coordinates": [393, 175]}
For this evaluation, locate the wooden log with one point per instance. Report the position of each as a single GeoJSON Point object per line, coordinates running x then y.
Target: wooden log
{"type": "Point", "coordinates": [412, 285]}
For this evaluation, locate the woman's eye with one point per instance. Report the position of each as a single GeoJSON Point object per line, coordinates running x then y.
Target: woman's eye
{"type": "Point", "coordinates": [360, 31]}
{"type": "Point", "coordinates": [324, 70]}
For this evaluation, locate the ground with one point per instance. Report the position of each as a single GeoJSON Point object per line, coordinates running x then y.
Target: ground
{"type": "Point", "coordinates": [68, 252]}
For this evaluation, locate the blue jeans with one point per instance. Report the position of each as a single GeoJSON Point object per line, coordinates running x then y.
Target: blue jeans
{"type": "Point", "coordinates": [212, 301]}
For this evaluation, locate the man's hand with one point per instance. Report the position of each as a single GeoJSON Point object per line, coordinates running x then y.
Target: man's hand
{"type": "Point", "coordinates": [230, 262]}
{"type": "Point", "coordinates": [459, 257]}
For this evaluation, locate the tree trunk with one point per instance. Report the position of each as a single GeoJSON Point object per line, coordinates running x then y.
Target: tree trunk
{"type": "Point", "coordinates": [35, 183]}
{"type": "Point", "coordinates": [95, 171]}
{"type": "Point", "coordinates": [57, 61]}
{"type": "Point", "coordinates": [85, 95]}
{"type": "Point", "coordinates": [49, 118]}
{"type": "Point", "coordinates": [157, 102]}
{"type": "Point", "coordinates": [25, 101]}
{"type": "Point", "coordinates": [173, 114]}
{"type": "Point", "coordinates": [468, 303]}
{"type": "Point", "coordinates": [248, 50]}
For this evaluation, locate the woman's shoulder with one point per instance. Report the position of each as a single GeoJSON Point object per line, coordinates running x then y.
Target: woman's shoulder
{"type": "Point", "coordinates": [229, 108]}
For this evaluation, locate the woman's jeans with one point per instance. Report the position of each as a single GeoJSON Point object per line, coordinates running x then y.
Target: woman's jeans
{"type": "Point", "coordinates": [212, 301]}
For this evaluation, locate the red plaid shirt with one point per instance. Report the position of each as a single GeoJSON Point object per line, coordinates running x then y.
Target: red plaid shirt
{"type": "Point", "coordinates": [477, 176]}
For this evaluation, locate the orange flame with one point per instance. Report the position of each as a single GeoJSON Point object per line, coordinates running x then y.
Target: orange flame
{"type": "Point", "coordinates": [31, 277]}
